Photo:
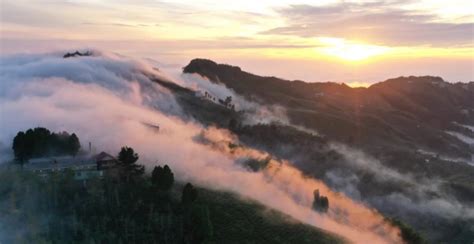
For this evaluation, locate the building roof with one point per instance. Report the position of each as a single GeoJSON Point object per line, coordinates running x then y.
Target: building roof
{"type": "Point", "coordinates": [103, 156]}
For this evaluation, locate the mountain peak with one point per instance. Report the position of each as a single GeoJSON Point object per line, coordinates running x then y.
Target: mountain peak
{"type": "Point", "coordinates": [201, 65]}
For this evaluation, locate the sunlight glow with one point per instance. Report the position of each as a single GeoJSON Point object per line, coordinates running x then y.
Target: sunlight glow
{"type": "Point", "coordinates": [355, 84]}
{"type": "Point", "coordinates": [350, 51]}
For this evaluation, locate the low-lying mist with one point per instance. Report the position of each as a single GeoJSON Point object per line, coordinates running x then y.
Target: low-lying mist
{"type": "Point", "coordinates": [421, 195]}
{"type": "Point", "coordinates": [107, 100]}
{"type": "Point", "coordinates": [416, 198]}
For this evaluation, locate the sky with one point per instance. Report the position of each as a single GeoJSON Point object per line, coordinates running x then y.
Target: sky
{"type": "Point", "coordinates": [356, 42]}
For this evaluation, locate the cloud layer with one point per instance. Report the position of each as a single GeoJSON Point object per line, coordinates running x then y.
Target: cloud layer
{"type": "Point", "coordinates": [383, 23]}
{"type": "Point", "coordinates": [106, 100]}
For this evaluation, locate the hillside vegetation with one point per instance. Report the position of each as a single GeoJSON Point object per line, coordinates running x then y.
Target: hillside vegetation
{"type": "Point", "coordinates": [136, 209]}
{"type": "Point", "coordinates": [400, 126]}
{"type": "Point", "coordinates": [406, 112]}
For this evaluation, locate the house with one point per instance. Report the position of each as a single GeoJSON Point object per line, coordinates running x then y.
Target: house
{"type": "Point", "coordinates": [84, 167]}
{"type": "Point", "coordinates": [107, 164]}
{"type": "Point", "coordinates": [105, 161]}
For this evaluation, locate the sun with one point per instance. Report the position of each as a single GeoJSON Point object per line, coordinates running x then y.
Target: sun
{"type": "Point", "coordinates": [350, 51]}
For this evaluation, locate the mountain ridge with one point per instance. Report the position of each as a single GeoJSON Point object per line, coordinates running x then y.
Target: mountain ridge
{"type": "Point", "coordinates": [418, 110]}
{"type": "Point", "coordinates": [200, 62]}
{"type": "Point", "coordinates": [411, 126]}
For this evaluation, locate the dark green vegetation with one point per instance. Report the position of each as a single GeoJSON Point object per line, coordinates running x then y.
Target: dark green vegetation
{"type": "Point", "coordinates": [40, 142]}
{"type": "Point", "coordinates": [407, 111]}
{"type": "Point", "coordinates": [132, 207]}
{"type": "Point", "coordinates": [77, 54]}
{"type": "Point", "coordinates": [237, 220]}
{"type": "Point", "coordinates": [204, 111]}
{"type": "Point", "coordinates": [320, 203]}
{"type": "Point", "coordinates": [58, 209]}
{"type": "Point", "coordinates": [128, 168]}
{"type": "Point", "coordinates": [162, 178]}
{"type": "Point", "coordinates": [408, 234]}
{"type": "Point", "coordinates": [400, 122]}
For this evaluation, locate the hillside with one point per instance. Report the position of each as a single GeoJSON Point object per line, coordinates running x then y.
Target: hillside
{"type": "Point", "coordinates": [238, 142]}
{"type": "Point", "coordinates": [238, 220]}
{"type": "Point", "coordinates": [403, 126]}
{"type": "Point", "coordinates": [406, 112]}
{"type": "Point", "coordinates": [36, 213]}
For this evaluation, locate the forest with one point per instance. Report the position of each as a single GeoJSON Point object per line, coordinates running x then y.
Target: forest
{"type": "Point", "coordinates": [135, 207]}
{"type": "Point", "coordinates": [40, 142]}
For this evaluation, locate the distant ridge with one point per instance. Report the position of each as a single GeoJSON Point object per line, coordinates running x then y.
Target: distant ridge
{"type": "Point", "coordinates": [410, 112]}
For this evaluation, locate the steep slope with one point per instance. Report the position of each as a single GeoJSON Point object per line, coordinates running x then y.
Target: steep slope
{"type": "Point", "coordinates": [86, 213]}
{"type": "Point", "coordinates": [237, 220]}
{"type": "Point", "coordinates": [113, 102]}
{"type": "Point", "coordinates": [406, 112]}
{"type": "Point", "coordinates": [412, 166]}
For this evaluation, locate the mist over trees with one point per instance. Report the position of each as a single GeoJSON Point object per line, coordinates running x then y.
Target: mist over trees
{"type": "Point", "coordinates": [409, 235]}
{"type": "Point", "coordinates": [320, 202]}
{"type": "Point", "coordinates": [60, 209]}
{"type": "Point", "coordinates": [40, 142]}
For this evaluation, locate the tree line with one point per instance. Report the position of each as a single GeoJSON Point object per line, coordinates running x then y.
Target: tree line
{"type": "Point", "coordinates": [128, 207]}
{"type": "Point", "coordinates": [40, 142]}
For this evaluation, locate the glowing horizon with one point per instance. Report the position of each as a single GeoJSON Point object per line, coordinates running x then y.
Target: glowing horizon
{"type": "Point", "coordinates": [364, 40]}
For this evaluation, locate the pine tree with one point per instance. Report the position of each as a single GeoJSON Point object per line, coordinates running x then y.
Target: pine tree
{"type": "Point", "coordinates": [127, 164]}
{"type": "Point", "coordinates": [162, 178]}
{"type": "Point", "coordinates": [189, 195]}
{"type": "Point", "coordinates": [73, 144]}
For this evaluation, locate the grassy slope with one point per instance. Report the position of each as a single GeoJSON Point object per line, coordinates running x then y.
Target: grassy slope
{"type": "Point", "coordinates": [390, 121]}
{"type": "Point", "coordinates": [31, 206]}
{"type": "Point", "coordinates": [244, 221]}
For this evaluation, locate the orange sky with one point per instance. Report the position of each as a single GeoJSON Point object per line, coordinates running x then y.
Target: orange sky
{"type": "Point", "coordinates": [357, 42]}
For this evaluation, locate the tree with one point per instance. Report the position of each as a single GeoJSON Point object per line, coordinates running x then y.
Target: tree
{"type": "Point", "coordinates": [19, 147]}
{"type": "Point", "coordinates": [189, 195]}
{"type": "Point", "coordinates": [73, 144]}
{"type": "Point", "coordinates": [127, 163]}
{"type": "Point", "coordinates": [40, 142]}
{"type": "Point", "coordinates": [197, 224]}
{"type": "Point", "coordinates": [168, 178]}
{"type": "Point", "coordinates": [233, 124]}
{"type": "Point", "coordinates": [228, 100]}
{"type": "Point", "coordinates": [409, 235]}
{"type": "Point", "coordinates": [201, 225]}
{"type": "Point", "coordinates": [320, 203]}
{"type": "Point", "coordinates": [162, 178]}
{"type": "Point", "coordinates": [156, 175]}
{"type": "Point", "coordinates": [40, 138]}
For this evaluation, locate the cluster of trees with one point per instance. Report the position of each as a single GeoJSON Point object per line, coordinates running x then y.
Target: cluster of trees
{"type": "Point", "coordinates": [129, 207]}
{"type": "Point", "coordinates": [257, 164]}
{"type": "Point", "coordinates": [227, 103]}
{"type": "Point", "coordinates": [40, 142]}
{"type": "Point", "coordinates": [162, 178]}
{"type": "Point", "coordinates": [320, 203]}
{"type": "Point", "coordinates": [77, 53]}
{"type": "Point", "coordinates": [194, 225]}
{"type": "Point", "coordinates": [409, 235]}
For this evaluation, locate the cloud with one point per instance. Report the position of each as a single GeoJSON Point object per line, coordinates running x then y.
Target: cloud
{"type": "Point", "coordinates": [106, 100]}
{"type": "Point", "coordinates": [117, 24]}
{"type": "Point", "coordinates": [413, 197]}
{"type": "Point", "coordinates": [405, 195]}
{"type": "Point", "coordinates": [378, 22]}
